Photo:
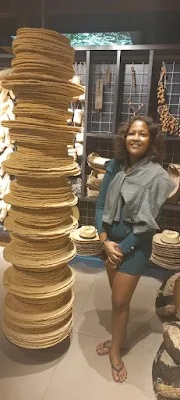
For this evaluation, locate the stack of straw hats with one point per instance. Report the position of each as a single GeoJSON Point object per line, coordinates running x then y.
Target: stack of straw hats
{"type": "Point", "coordinates": [166, 250]}
{"type": "Point", "coordinates": [98, 169]}
{"type": "Point", "coordinates": [87, 241]}
{"type": "Point", "coordinates": [38, 306]}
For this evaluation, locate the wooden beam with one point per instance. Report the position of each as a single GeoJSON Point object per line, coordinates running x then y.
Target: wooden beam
{"type": "Point", "coordinates": [15, 8]}
{"type": "Point", "coordinates": [108, 7]}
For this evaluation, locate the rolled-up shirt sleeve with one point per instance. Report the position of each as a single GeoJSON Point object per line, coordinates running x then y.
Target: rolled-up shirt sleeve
{"type": "Point", "coordinates": [131, 241]}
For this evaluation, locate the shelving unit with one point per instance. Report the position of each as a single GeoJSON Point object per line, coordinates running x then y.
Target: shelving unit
{"type": "Point", "coordinates": [100, 130]}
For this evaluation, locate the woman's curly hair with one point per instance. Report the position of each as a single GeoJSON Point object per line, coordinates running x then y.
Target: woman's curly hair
{"type": "Point", "coordinates": [156, 149]}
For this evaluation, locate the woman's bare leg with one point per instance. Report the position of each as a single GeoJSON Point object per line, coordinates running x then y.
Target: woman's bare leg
{"type": "Point", "coordinates": [122, 291]}
{"type": "Point", "coordinates": [104, 347]}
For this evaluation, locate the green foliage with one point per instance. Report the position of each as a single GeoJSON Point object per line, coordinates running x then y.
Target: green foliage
{"type": "Point", "coordinates": [99, 39]}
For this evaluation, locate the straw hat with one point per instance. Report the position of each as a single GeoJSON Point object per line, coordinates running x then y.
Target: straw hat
{"type": "Point", "coordinates": [92, 194]}
{"type": "Point", "coordinates": [40, 97]}
{"type": "Point", "coordinates": [75, 212]}
{"type": "Point", "coordinates": [33, 76]}
{"type": "Point", "coordinates": [39, 232]}
{"type": "Point", "coordinates": [166, 375]}
{"type": "Point", "coordinates": [62, 89]}
{"type": "Point", "coordinates": [31, 62]}
{"type": "Point", "coordinates": [174, 173]}
{"type": "Point", "coordinates": [171, 263]}
{"type": "Point", "coordinates": [43, 40]}
{"type": "Point", "coordinates": [39, 126]}
{"type": "Point", "coordinates": [37, 317]}
{"type": "Point", "coordinates": [36, 286]}
{"type": "Point", "coordinates": [5, 72]}
{"type": "Point", "coordinates": [41, 46]}
{"type": "Point", "coordinates": [32, 256]}
{"type": "Point", "coordinates": [92, 249]}
{"type": "Point", "coordinates": [30, 197]}
{"type": "Point", "coordinates": [44, 218]}
{"type": "Point", "coordinates": [22, 164]}
{"type": "Point", "coordinates": [97, 162]}
{"type": "Point", "coordinates": [93, 182]}
{"type": "Point", "coordinates": [56, 53]}
{"type": "Point", "coordinates": [31, 110]}
{"type": "Point", "coordinates": [166, 250]}
{"type": "Point", "coordinates": [86, 241]}
{"type": "Point", "coordinates": [169, 237]}
{"type": "Point", "coordinates": [32, 66]}
{"type": "Point", "coordinates": [88, 232]}
{"type": "Point", "coordinates": [32, 339]}
{"type": "Point", "coordinates": [84, 234]}
{"type": "Point", "coordinates": [41, 141]}
{"type": "Point", "coordinates": [43, 33]}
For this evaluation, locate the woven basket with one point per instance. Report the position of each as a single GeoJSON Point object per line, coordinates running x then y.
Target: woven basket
{"type": "Point", "coordinates": [166, 375]}
{"type": "Point", "coordinates": [165, 305]}
{"type": "Point", "coordinates": [171, 334]}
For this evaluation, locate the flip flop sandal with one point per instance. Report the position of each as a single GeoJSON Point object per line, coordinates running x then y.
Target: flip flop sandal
{"type": "Point", "coordinates": [117, 370]}
{"type": "Point", "coordinates": [105, 345]}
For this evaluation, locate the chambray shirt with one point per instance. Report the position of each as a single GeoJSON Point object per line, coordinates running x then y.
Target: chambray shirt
{"type": "Point", "coordinates": [141, 207]}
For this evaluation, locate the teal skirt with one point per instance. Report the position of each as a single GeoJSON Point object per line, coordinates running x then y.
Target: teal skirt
{"type": "Point", "coordinates": [135, 262]}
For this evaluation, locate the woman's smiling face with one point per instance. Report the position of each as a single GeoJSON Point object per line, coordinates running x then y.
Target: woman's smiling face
{"type": "Point", "coordinates": [138, 139]}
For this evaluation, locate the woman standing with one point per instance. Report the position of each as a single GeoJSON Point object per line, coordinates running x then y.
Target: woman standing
{"type": "Point", "coordinates": [134, 188]}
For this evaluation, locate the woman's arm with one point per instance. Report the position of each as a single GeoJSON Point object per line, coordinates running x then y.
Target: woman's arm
{"type": "Point", "coordinates": [101, 203]}
{"type": "Point", "coordinates": [111, 248]}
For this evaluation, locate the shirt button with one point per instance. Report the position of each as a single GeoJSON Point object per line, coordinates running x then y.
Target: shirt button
{"type": "Point", "coordinates": [127, 232]}
{"type": "Point", "coordinates": [132, 248]}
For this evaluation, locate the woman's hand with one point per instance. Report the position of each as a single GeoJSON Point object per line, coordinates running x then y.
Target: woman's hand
{"type": "Point", "coordinates": [113, 252]}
